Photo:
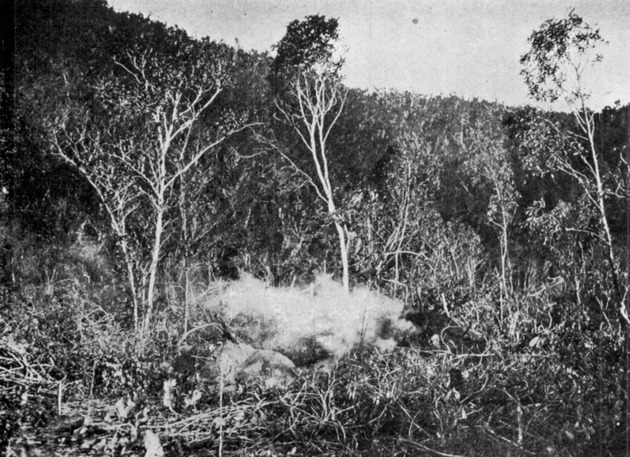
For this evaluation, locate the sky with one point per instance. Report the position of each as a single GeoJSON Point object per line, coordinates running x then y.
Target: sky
{"type": "Point", "coordinates": [469, 48]}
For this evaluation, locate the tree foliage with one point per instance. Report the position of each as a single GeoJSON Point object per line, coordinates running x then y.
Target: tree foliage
{"type": "Point", "coordinates": [306, 44]}
{"type": "Point", "coordinates": [561, 50]}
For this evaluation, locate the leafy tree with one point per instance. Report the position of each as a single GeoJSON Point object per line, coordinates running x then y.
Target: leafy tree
{"type": "Point", "coordinates": [306, 44]}
{"type": "Point", "coordinates": [312, 106]}
{"type": "Point", "coordinates": [562, 50]}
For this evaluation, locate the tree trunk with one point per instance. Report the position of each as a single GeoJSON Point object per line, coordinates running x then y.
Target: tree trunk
{"type": "Point", "coordinates": [504, 265]}
{"type": "Point", "coordinates": [155, 258]}
{"type": "Point", "coordinates": [602, 209]}
{"type": "Point", "coordinates": [132, 283]}
{"type": "Point", "coordinates": [186, 293]}
{"type": "Point", "coordinates": [343, 247]}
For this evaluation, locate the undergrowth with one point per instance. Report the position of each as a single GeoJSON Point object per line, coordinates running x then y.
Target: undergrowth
{"type": "Point", "coordinates": [62, 356]}
{"type": "Point", "coordinates": [462, 381]}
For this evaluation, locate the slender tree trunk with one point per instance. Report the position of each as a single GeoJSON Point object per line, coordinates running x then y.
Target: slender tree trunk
{"type": "Point", "coordinates": [590, 131]}
{"type": "Point", "coordinates": [504, 266]}
{"type": "Point", "coordinates": [186, 248]}
{"type": "Point", "coordinates": [343, 246]}
{"type": "Point", "coordinates": [186, 293]}
{"type": "Point", "coordinates": [319, 109]}
{"type": "Point", "coordinates": [155, 258]}
{"type": "Point", "coordinates": [158, 201]}
{"type": "Point", "coordinates": [505, 254]}
{"type": "Point", "coordinates": [402, 227]}
{"type": "Point", "coordinates": [341, 234]}
{"type": "Point", "coordinates": [132, 283]}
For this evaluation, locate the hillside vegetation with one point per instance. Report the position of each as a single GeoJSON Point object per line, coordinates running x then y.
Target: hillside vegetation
{"type": "Point", "coordinates": [407, 274]}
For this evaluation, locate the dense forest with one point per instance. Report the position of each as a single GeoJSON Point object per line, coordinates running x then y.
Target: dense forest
{"type": "Point", "coordinates": [447, 276]}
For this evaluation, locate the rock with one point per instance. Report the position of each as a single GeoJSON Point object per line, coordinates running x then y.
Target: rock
{"type": "Point", "coordinates": [152, 445]}
{"type": "Point", "coordinates": [241, 362]}
{"type": "Point", "coordinates": [272, 368]}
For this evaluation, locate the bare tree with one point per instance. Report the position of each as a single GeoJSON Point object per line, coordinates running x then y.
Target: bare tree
{"type": "Point", "coordinates": [318, 102]}
{"type": "Point", "coordinates": [136, 155]}
{"type": "Point", "coordinates": [488, 163]}
{"type": "Point", "coordinates": [115, 191]}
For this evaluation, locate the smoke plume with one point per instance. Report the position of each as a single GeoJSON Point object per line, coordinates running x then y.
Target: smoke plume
{"type": "Point", "coordinates": [310, 323]}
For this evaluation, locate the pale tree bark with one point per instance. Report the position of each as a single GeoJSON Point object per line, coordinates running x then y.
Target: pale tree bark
{"type": "Point", "coordinates": [140, 166]}
{"type": "Point", "coordinates": [115, 192]}
{"type": "Point", "coordinates": [562, 51]}
{"type": "Point", "coordinates": [591, 178]}
{"type": "Point", "coordinates": [406, 175]}
{"type": "Point", "coordinates": [185, 241]}
{"type": "Point", "coordinates": [488, 162]}
{"type": "Point", "coordinates": [195, 223]}
{"type": "Point", "coordinates": [586, 121]}
{"type": "Point", "coordinates": [592, 182]}
{"type": "Point", "coordinates": [169, 159]}
{"type": "Point", "coordinates": [506, 212]}
{"type": "Point", "coordinates": [319, 102]}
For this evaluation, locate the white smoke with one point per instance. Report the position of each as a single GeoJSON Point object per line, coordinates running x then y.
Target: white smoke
{"type": "Point", "coordinates": [324, 315]}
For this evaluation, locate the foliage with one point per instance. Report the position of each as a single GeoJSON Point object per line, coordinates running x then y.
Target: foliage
{"type": "Point", "coordinates": [560, 52]}
{"type": "Point", "coordinates": [307, 44]}
{"type": "Point", "coordinates": [551, 61]}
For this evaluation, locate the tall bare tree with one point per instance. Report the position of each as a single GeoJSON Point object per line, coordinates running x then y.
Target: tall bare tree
{"type": "Point", "coordinates": [319, 101]}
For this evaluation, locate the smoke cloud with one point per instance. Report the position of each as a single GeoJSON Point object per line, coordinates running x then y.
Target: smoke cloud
{"type": "Point", "coordinates": [310, 323]}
